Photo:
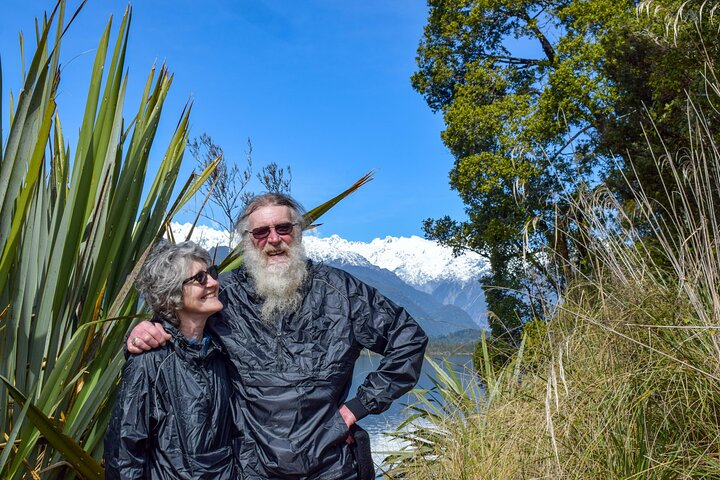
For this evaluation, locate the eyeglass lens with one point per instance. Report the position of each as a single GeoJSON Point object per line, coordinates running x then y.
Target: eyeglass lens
{"type": "Point", "coordinates": [281, 229]}
{"type": "Point", "coordinates": [202, 276]}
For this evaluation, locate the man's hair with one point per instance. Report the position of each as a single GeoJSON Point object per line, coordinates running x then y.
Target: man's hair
{"type": "Point", "coordinates": [271, 200]}
{"type": "Point", "coordinates": [160, 280]}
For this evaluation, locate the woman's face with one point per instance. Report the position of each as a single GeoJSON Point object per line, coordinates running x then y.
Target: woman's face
{"type": "Point", "coordinates": [200, 299]}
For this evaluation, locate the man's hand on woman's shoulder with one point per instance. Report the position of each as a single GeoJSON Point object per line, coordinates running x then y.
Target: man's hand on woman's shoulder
{"type": "Point", "coordinates": [146, 336]}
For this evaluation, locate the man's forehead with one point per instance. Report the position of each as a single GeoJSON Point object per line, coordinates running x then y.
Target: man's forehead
{"type": "Point", "coordinates": [270, 215]}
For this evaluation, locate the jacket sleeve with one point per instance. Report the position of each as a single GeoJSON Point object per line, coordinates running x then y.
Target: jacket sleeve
{"type": "Point", "coordinates": [126, 441]}
{"type": "Point", "coordinates": [387, 329]}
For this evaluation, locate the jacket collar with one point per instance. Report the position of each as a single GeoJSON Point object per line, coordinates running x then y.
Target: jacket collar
{"type": "Point", "coordinates": [186, 347]}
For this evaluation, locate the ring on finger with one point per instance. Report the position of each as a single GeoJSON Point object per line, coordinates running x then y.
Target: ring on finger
{"type": "Point", "coordinates": [134, 341]}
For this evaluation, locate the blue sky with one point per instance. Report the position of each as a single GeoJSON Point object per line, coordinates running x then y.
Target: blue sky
{"type": "Point", "coordinates": [320, 85]}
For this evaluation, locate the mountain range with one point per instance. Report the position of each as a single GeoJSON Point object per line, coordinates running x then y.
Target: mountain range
{"type": "Point", "coordinates": [440, 290]}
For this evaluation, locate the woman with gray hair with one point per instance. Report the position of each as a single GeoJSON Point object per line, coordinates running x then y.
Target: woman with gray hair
{"type": "Point", "coordinates": [173, 415]}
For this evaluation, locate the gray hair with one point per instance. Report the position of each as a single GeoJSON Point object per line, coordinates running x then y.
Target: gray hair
{"type": "Point", "coordinates": [161, 277]}
{"type": "Point", "coordinates": [272, 199]}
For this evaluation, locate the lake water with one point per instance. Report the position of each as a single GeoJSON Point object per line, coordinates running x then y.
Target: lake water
{"type": "Point", "coordinates": [377, 425]}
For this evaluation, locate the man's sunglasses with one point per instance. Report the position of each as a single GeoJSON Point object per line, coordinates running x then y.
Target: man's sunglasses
{"type": "Point", "coordinates": [202, 276]}
{"type": "Point", "coordinates": [261, 233]}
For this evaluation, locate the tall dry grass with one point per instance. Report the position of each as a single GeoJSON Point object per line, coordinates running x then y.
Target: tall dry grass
{"type": "Point", "coordinates": [624, 381]}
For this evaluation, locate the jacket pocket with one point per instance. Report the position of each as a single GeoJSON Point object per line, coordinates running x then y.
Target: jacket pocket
{"type": "Point", "coordinates": [328, 445]}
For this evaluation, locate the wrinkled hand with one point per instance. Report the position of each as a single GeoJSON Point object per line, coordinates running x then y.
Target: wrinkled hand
{"type": "Point", "coordinates": [350, 420]}
{"type": "Point", "coordinates": [146, 336]}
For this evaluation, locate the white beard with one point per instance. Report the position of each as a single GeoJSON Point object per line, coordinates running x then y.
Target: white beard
{"type": "Point", "coordinates": [278, 284]}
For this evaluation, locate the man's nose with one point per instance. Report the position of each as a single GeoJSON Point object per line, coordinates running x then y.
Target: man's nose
{"type": "Point", "coordinates": [274, 238]}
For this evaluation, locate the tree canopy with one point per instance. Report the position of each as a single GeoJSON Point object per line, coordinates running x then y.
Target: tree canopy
{"type": "Point", "coordinates": [542, 99]}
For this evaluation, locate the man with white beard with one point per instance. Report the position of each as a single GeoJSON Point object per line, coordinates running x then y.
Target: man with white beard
{"type": "Point", "coordinates": [293, 330]}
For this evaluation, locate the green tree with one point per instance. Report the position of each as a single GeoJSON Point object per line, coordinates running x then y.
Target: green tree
{"type": "Point", "coordinates": [542, 100]}
{"type": "Point", "coordinates": [663, 65]}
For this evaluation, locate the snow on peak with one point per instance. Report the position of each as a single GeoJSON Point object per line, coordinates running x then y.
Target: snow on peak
{"type": "Point", "coordinates": [333, 249]}
{"type": "Point", "coordinates": [204, 236]}
{"type": "Point", "coordinates": [417, 261]}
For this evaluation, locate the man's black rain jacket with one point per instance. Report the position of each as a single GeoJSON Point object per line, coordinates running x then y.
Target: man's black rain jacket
{"type": "Point", "coordinates": [295, 374]}
{"type": "Point", "coordinates": [172, 417]}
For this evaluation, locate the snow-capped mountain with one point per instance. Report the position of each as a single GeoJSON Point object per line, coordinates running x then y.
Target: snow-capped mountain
{"type": "Point", "coordinates": [421, 264]}
{"type": "Point", "coordinates": [439, 289]}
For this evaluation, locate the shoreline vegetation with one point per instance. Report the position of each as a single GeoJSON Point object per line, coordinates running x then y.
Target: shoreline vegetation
{"type": "Point", "coordinates": [623, 380]}
{"type": "Point", "coordinates": [463, 342]}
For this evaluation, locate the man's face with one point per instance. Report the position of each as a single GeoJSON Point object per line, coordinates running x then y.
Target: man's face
{"type": "Point", "coordinates": [275, 260]}
{"type": "Point", "coordinates": [274, 247]}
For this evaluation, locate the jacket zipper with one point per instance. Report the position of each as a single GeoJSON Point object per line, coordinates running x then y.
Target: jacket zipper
{"type": "Point", "coordinates": [278, 335]}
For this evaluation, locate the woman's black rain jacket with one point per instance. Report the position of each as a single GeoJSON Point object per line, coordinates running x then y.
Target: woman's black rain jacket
{"type": "Point", "coordinates": [172, 417]}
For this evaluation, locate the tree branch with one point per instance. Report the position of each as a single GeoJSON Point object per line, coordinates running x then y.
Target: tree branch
{"type": "Point", "coordinates": [544, 42]}
{"type": "Point", "coordinates": [515, 60]}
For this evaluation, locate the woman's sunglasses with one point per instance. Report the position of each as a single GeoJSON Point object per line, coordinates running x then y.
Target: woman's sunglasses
{"type": "Point", "coordinates": [263, 232]}
{"type": "Point", "coordinates": [202, 276]}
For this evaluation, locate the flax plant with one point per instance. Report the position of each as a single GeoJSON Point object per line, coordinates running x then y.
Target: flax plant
{"type": "Point", "coordinates": [73, 228]}
{"type": "Point", "coordinates": [624, 381]}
